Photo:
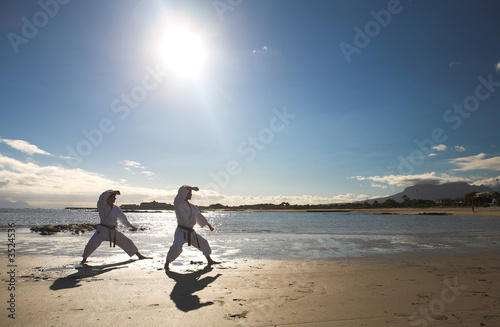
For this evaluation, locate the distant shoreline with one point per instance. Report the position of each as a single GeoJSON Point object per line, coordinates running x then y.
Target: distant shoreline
{"type": "Point", "coordinates": [463, 211]}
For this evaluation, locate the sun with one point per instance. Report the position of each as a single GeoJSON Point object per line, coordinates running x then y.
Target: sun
{"type": "Point", "coordinates": [177, 43]}
{"type": "Point", "coordinates": [183, 52]}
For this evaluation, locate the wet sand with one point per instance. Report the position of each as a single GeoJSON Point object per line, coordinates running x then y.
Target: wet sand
{"type": "Point", "coordinates": [443, 290]}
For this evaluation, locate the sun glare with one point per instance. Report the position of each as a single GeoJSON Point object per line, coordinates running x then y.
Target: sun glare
{"type": "Point", "coordinates": [183, 52]}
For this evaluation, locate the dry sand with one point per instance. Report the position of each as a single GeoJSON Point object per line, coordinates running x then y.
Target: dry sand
{"type": "Point", "coordinates": [418, 291]}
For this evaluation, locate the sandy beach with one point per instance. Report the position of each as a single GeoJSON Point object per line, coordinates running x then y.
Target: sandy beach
{"type": "Point", "coordinates": [382, 291]}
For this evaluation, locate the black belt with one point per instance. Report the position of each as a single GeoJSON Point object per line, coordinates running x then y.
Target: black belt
{"type": "Point", "coordinates": [190, 231]}
{"type": "Point", "coordinates": [112, 241]}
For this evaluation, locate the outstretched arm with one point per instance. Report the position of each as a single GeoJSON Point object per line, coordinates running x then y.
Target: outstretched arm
{"type": "Point", "coordinates": [210, 226]}
{"type": "Point", "coordinates": [191, 188]}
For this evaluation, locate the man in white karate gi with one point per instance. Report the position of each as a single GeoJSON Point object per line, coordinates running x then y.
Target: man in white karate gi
{"type": "Point", "coordinates": [187, 216]}
{"type": "Point", "coordinates": [110, 215]}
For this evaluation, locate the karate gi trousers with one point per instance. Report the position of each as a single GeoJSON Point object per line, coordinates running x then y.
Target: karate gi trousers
{"type": "Point", "coordinates": [102, 234]}
{"type": "Point", "coordinates": [181, 237]}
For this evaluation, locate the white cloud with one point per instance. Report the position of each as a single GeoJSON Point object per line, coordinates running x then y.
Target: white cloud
{"type": "Point", "coordinates": [497, 67]}
{"type": "Point", "coordinates": [148, 173]}
{"type": "Point", "coordinates": [454, 63]}
{"type": "Point", "coordinates": [444, 147]}
{"type": "Point", "coordinates": [477, 162]}
{"type": "Point", "coordinates": [491, 182]}
{"type": "Point", "coordinates": [25, 147]}
{"type": "Point", "coordinates": [29, 148]}
{"type": "Point", "coordinates": [410, 180]}
{"type": "Point", "coordinates": [440, 147]}
{"type": "Point", "coordinates": [56, 186]}
{"type": "Point", "coordinates": [132, 164]}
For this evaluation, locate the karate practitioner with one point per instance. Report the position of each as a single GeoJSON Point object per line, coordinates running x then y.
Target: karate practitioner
{"type": "Point", "coordinates": [187, 216]}
{"type": "Point", "coordinates": [110, 215]}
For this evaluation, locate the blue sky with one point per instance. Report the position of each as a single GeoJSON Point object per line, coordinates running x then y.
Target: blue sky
{"type": "Point", "coordinates": [252, 101]}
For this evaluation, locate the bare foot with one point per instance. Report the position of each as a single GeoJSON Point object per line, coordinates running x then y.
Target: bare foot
{"type": "Point", "coordinates": [212, 262]}
{"type": "Point", "coordinates": [83, 261]}
{"type": "Point", "coordinates": [141, 257]}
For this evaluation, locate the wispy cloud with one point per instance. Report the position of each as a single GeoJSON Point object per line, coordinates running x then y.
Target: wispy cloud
{"type": "Point", "coordinates": [131, 164]}
{"type": "Point", "coordinates": [25, 147]}
{"type": "Point", "coordinates": [28, 148]}
{"type": "Point", "coordinates": [455, 63]}
{"type": "Point", "coordinates": [444, 147]}
{"type": "Point", "coordinates": [477, 162]}
{"type": "Point", "coordinates": [379, 185]}
{"type": "Point", "coordinates": [260, 51]}
{"type": "Point", "coordinates": [148, 173]}
{"type": "Point", "coordinates": [497, 67]}
{"type": "Point", "coordinates": [134, 166]}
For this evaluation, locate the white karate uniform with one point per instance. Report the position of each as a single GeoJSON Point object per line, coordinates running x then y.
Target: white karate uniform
{"type": "Point", "coordinates": [109, 217]}
{"type": "Point", "coordinates": [187, 215]}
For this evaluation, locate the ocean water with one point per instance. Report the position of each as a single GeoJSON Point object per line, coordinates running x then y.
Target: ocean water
{"type": "Point", "coordinates": [269, 235]}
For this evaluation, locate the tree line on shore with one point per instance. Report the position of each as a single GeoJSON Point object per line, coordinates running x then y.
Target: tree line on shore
{"type": "Point", "coordinates": [470, 199]}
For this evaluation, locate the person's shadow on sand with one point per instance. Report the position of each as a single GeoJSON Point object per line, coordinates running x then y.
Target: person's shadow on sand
{"type": "Point", "coordinates": [186, 285]}
{"type": "Point", "coordinates": [85, 271]}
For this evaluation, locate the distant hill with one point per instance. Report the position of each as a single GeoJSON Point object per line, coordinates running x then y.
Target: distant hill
{"type": "Point", "coordinates": [435, 192]}
{"type": "Point", "coordinates": [13, 205]}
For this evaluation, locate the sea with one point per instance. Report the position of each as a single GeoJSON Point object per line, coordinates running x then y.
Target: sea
{"type": "Point", "coordinates": [265, 235]}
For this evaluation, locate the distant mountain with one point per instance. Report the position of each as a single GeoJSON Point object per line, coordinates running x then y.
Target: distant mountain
{"type": "Point", "coordinates": [13, 205]}
{"type": "Point", "coordinates": [436, 192]}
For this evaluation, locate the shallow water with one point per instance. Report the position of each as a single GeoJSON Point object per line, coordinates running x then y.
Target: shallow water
{"type": "Point", "coordinates": [277, 235]}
